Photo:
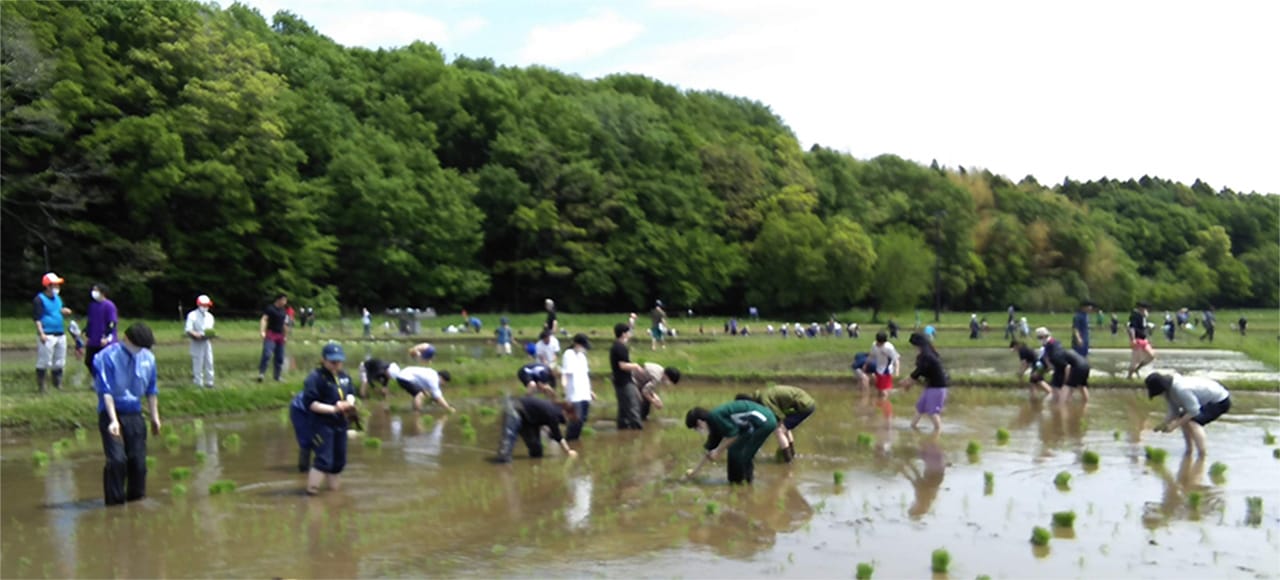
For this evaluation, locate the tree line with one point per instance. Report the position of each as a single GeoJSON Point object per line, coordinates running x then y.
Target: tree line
{"type": "Point", "coordinates": [177, 148]}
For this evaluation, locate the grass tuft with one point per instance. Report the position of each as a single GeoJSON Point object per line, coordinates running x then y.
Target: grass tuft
{"type": "Point", "coordinates": [180, 473]}
{"type": "Point", "coordinates": [712, 508]}
{"type": "Point", "coordinates": [151, 463]}
{"type": "Point", "coordinates": [39, 458]}
{"type": "Point", "coordinates": [1040, 536]}
{"type": "Point", "coordinates": [172, 440]}
{"type": "Point", "coordinates": [372, 443]}
{"type": "Point", "coordinates": [201, 457]}
{"type": "Point", "coordinates": [865, 440]}
{"type": "Point", "coordinates": [231, 441]}
{"type": "Point", "coordinates": [488, 411]}
{"type": "Point", "coordinates": [81, 434]}
{"type": "Point", "coordinates": [178, 490]}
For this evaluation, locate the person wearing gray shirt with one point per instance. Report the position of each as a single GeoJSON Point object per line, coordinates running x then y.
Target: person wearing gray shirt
{"type": "Point", "coordinates": [1193, 403]}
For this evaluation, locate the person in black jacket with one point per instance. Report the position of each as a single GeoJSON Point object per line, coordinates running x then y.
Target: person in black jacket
{"type": "Point", "coordinates": [928, 371]}
{"type": "Point", "coordinates": [1070, 370]}
{"type": "Point", "coordinates": [525, 417]}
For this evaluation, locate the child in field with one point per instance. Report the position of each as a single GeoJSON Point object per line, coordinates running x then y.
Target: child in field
{"type": "Point", "coordinates": [1031, 361]}
{"type": "Point", "coordinates": [860, 370]}
{"type": "Point", "coordinates": [503, 336]}
{"type": "Point", "coordinates": [790, 404]}
{"type": "Point", "coordinates": [1070, 368]}
{"type": "Point", "coordinates": [930, 372]}
{"type": "Point", "coordinates": [1193, 403]}
{"type": "Point", "coordinates": [741, 427]}
{"type": "Point", "coordinates": [885, 363]}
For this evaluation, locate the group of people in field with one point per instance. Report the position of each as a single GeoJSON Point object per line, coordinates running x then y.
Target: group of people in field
{"type": "Point", "coordinates": [556, 388]}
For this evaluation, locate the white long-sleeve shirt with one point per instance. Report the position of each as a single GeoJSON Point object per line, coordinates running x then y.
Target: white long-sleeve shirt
{"type": "Point", "coordinates": [577, 376]}
{"type": "Point", "coordinates": [199, 321]}
{"type": "Point", "coordinates": [884, 358]}
{"type": "Point", "coordinates": [1187, 394]}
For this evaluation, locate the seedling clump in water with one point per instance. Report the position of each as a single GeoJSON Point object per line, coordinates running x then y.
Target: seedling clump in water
{"type": "Point", "coordinates": [941, 560]}
{"type": "Point", "coordinates": [1062, 480]}
{"type": "Point", "coordinates": [1089, 458]}
{"type": "Point", "coordinates": [588, 431]}
{"type": "Point", "coordinates": [200, 456]}
{"type": "Point", "coordinates": [712, 508]}
{"type": "Point", "coordinates": [151, 462]}
{"type": "Point", "coordinates": [1217, 470]}
{"type": "Point", "coordinates": [1253, 515]}
{"type": "Point", "coordinates": [40, 458]}
{"type": "Point", "coordinates": [1040, 536]}
{"type": "Point", "coordinates": [865, 570]}
{"type": "Point", "coordinates": [1194, 499]}
{"type": "Point", "coordinates": [179, 473]}
{"type": "Point", "coordinates": [373, 443]}
{"type": "Point", "coordinates": [1064, 519]}
{"type": "Point", "coordinates": [1002, 436]}
{"type": "Point", "coordinates": [222, 486]}
{"type": "Point", "coordinates": [1276, 453]}
{"type": "Point", "coordinates": [1268, 438]}
{"type": "Point", "coordinates": [231, 441]}
{"type": "Point", "coordinates": [172, 440]}
{"type": "Point", "coordinates": [838, 477]}
{"type": "Point", "coordinates": [81, 434]}
{"type": "Point", "coordinates": [178, 489]}
{"type": "Point", "coordinates": [1156, 455]}
{"type": "Point", "coordinates": [973, 448]}
{"type": "Point", "coordinates": [988, 482]}
{"type": "Point", "coordinates": [865, 440]}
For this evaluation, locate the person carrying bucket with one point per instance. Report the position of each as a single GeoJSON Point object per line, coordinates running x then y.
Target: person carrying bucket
{"type": "Point", "coordinates": [740, 427]}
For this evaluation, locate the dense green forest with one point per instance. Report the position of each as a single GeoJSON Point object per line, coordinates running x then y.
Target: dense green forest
{"type": "Point", "coordinates": [176, 148]}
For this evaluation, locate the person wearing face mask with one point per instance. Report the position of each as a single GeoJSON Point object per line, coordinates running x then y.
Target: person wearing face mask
{"type": "Point", "coordinates": [126, 373]}
{"type": "Point", "coordinates": [200, 329]}
{"type": "Point", "coordinates": [48, 313]}
{"type": "Point", "coordinates": [100, 331]}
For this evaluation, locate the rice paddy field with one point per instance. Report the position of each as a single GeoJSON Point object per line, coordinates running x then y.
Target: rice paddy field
{"type": "Point", "coordinates": [1011, 488]}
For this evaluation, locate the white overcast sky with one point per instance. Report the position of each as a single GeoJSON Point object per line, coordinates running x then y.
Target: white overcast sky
{"type": "Point", "coordinates": [1084, 89]}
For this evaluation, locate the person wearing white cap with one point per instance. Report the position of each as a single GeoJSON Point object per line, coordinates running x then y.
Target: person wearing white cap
{"type": "Point", "coordinates": [48, 313]}
{"type": "Point", "coordinates": [200, 329]}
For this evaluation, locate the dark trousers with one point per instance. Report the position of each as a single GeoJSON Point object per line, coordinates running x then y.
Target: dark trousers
{"type": "Point", "coordinates": [1208, 333]}
{"type": "Point", "coordinates": [126, 458]}
{"type": "Point", "coordinates": [89, 352]}
{"type": "Point", "coordinates": [742, 454]}
{"type": "Point", "coordinates": [575, 428]}
{"type": "Point", "coordinates": [645, 408]}
{"type": "Point", "coordinates": [628, 406]}
{"type": "Point", "coordinates": [272, 349]}
{"type": "Point", "coordinates": [514, 425]}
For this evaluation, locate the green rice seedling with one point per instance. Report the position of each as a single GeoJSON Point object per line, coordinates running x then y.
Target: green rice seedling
{"type": "Point", "coordinates": [1218, 471]}
{"type": "Point", "coordinates": [988, 482]}
{"type": "Point", "coordinates": [198, 425]}
{"type": "Point", "coordinates": [588, 432]}
{"type": "Point", "coordinates": [488, 411]}
{"type": "Point", "coordinates": [1064, 519]}
{"type": "Point", "coordinates": [81, 434]}
{"type": "Point", "coordinates": [838, 477]}
{"type": "Point", "coordinates": [865, 440]}
{"type": "Point", "coordinates": [1089, 458]}
{"type": "Point", "coordinates": [426, 420]}
{"type": "Point", "coordinates": [940, 560]}
{"type": "Point", "coordinates": [180, 473]}
{"type": "Point", "coordinates": [983, 577]}
{"type": "Point", "coordinates": [151, 462]}
{"type": "Point", "coordinates": [1194, 499]}
{"type": "Point", "coordinates": [1062, 480]}
{"type": "Point", "coordinates": [284, 416]}
{"type": "Point", "coordinates": [178, 490]}
{"type": "Point", "coordinates": [865, 570]}
{"type": "Point", "coordinates": [222, 486]}
{"type": "Point", "coordinates": [973, 448]}
{"type": "Point", "coordinates": [172, 440]}
{"type": "Point", "coordinates": [498, 549]}
{"type": "Point", "coordinates": [469, 432]}
{"type": "Point", "coordinates": [1040, 536]}
{"type": "Point", "coordinates": [231, 441]}
{"type": "Point", "coordinates": [1268, 438]}
{"type": "Point", "coordinates": [188, 429]}
{"type": "Point", "coordinates": [1002, 436]}
{"type": "Point", "coordinates": [1253, 511]}
{"type": "Point", "coordinates": [372, 443]}
{"type": "Point", "coordinates": [1276, 453]}
{"type": "Point", "coordinates": [712, 508]}
{"type": "Point", "coordinates": [39, 458]}
{"type": "Point", "coordinates": [1156, 455]}
{"type": "Point", "coordinates": [1116, 435]}
{"type": "Point", "coordinates": [201, 457]}
{"type": "Point", "coordinates": [464, 420]}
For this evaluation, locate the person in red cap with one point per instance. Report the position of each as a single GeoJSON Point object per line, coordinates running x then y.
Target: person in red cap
{"type": "Point", "coordinates": [48, 313]}
{"type": "Point", "coordinates": [200, 329]}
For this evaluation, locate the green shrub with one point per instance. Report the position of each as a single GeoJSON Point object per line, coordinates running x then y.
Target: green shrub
{"type": "Point", "coordinates": [1040, 536]}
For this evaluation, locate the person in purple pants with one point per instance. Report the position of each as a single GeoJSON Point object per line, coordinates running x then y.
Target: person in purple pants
{"type": "Point", "coordinates": [930, 373]}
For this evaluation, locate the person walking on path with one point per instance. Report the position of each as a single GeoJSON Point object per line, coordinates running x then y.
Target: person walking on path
{"type": "Point", "coordinates": [1210, 324]}
{"type": "Point", "coordinates": [624, 386]}
{"type": "Point", "coordinates": [653, 376]}
{"type": "Point", "coordinates": [329, 397]}
{"type": "Point", "coordinates": [885, 363]}
{"type": "Point", "coordinates": [930, 372]}
{"type": "Point", "coordinates": [658, 329]}
{"type": "Point", "coordinates": [525, 417]}
{"type": "Point", "coordinates": [741, 428]}
{"type": "Point", "coordinates": [577, 384]}
{"type": "Point", "coordinates": [792, 405]}
{"type": "Point", "coordinates": [1142, 352]}
{"type": "Point", "coordinates": [975, 328]}
{"type": "Point", "coordinates": [366, 319]}
{"type": "Point", "coordinates": [126, 374]}
{"type": "Point", "coordinates": [200, 330]}
{"type": "Point", "coordinates": [1193, 403]}
{"type": "Point", "coordinates": [1080, 328]}
{"type": "Point", "coordinates": [100, 328]}
{"type": "Point", "coordinates": [49, 316]}
{"type": "Point", "coordinates": [272, 329]}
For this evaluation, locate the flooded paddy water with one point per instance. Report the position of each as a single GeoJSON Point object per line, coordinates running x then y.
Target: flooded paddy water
{"type": "Point", "coordinates": [426, 503]}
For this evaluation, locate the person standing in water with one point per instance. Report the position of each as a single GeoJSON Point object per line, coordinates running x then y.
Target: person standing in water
{"type": "Point", "coordinates": [741, 427]}
{"type": "Point", "coordinates": [624, 386]}
{"type": "Point", "coordinates": [1140, 344]}
{"type": "Point", "coordinates": [125, 374]}
{"type": "Point", "coordinates": [577, 384]}
{"type": "Point", "coordinates": [504, 336]}
{"type": "Point", "coordinates": [885, 363]}
{"type": "Point", "coordinates": [199, 329]}
{"type": "Point", "coordinates": [653, 376]}
{"type": "Point", "coordinates": [535, 377]}
{"type": "Point", "coordinates": [657, 330]}
{"type": "Point", "coordinates": [419, 382]}
{"type": "Point", "coordinates": [929, 371]}
{"type": "Point", "coordinates": [1193, 403]}
{"type": "Point", "coordinates": [790, 404]}
{"type": "Point", "coordinates": [328, 397]}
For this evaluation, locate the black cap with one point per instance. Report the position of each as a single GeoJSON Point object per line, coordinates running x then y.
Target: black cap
{"type": "Point", "coordinates": [1157, 384]}
{"type": "Point", "coordinates": [620, 329]}
{"type": "Point", "coordinates": [673, 374]}
{"type": "Point", "coordinates": [918, 339]}
{"type": "Point", "coordinates": [140, 335]}
{"type": "Point", "coordinates": [582, 340]}
{"type": "Point", "coordinates": [448, 377]}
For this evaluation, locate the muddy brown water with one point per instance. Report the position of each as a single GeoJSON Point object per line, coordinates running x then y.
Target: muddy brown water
{"type": "Point", "coordinates": [425, 502]}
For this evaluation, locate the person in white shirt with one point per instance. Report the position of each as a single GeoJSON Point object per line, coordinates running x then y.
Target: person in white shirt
{"type": "Point", "coordinates": [200, 329]}
{"type": "Point", "coordinates": [419, 382]}
{"type": "Point", "coordinates": [885, 363]}
{"type": "Point", "coordinates": [577, 383]}
{"type": "Point", "coordinates": [648, 378]}
{"type": "Point", "coordinates": [546, 351]}
{"type": "Point", "coordinates": [1193, 403]}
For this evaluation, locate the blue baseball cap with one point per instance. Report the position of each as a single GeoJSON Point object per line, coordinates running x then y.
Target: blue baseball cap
{"type": "Point", "coordinates": [427, 353]}
{"type": "Point", "coordinates": [333, 352]}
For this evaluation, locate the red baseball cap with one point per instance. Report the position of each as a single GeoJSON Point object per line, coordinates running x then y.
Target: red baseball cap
{"type": "Point", "coordinates": [204, 300]}
{"type": "Point", "coordinates": [51, 279]}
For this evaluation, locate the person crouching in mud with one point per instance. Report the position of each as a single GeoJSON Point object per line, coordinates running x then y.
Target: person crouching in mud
{"type": "Point", "coordinates": [525, 417]}
{"type": "Point", "coordinates": [741, 427]}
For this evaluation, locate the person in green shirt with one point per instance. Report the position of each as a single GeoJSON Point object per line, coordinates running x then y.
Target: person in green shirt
{"type": "Point", "coordinates": [793, 405]}
{"type": "Point", "coordinates": [741, 427]}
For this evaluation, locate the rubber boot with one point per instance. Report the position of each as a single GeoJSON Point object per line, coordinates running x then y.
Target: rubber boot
{"type": "Point", "coordinates": [40, 374]}
{"type": "Point", "coordinates": [57, 379]}
{"type": "Point", "coordinates": [304, 460]}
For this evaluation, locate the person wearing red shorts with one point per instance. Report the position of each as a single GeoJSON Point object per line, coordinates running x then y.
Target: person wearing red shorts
{"type": "Point", "coordinates": [1143, 354]}
{"type": "Point", "coordinates": [884, 361]}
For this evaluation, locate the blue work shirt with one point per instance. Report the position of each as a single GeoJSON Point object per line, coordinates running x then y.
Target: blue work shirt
{"type": "Point", "coordinates": [504, 335]}
{"type": "Point", "coordinates": [1080, 323]}
{"type": "Point", "coordinates": [324, 387]}
{"type": "Point", "coordinates": [127, 377]}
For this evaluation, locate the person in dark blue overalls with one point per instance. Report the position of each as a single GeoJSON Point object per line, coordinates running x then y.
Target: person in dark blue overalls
{"type": "Point", "coordinates": [319, 414]}
{"type": "Point", "coordinates": [536, 378]}
{"type": "Point", "coordinates": [525, 417]}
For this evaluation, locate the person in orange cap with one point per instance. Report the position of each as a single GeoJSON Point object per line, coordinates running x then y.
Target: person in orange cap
{"type": "Point", "coordinates": [48, 313]}
{"type": "Point", "coordinates": [200, 329]}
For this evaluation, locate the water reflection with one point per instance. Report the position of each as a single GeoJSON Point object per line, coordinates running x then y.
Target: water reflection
{"type": "Point", "coordinates": [925, 483]}
{"type": "Point", "coordinates": [1176, 500]}
{"type": "Point", "coordinates": [754, 518]}
{"type": "Point", "coordinates": [579, 512]}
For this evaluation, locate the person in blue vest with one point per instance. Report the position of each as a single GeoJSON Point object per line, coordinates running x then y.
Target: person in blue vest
{"type": "Point", "coordinates": [51, 331]}
{"type": "Point", "coordinates": [125, 374]}
{"type": "Point", "coordinates": [536, 378]}
{"type": "Point", "coordinates": [328, 397]}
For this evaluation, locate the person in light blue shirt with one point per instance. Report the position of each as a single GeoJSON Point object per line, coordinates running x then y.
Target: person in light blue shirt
{"type": "Point", "coordinates": [125, 374]}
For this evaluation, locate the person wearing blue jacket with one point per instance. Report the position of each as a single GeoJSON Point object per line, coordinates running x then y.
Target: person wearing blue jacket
{"type": "Point", "coordinates": [125, 374]}
{"type": "Point", "coordinates": [319, 415]}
